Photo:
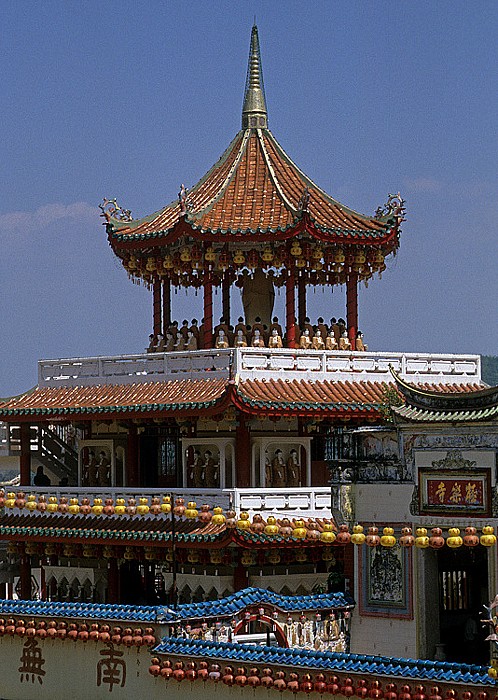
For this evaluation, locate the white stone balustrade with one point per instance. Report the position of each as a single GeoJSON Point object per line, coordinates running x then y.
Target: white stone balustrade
{"type": "Point", "coordinates": [308, 502]}
{"type": "Point", "coordinates": [260, 363]}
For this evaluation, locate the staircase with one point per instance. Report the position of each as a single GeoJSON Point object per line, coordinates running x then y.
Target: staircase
{"type": "Point", "coordinates": [50, 447]}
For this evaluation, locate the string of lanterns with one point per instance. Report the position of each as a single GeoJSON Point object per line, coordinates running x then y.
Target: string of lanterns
{"type": "Point", "coordinates": [73, 631]}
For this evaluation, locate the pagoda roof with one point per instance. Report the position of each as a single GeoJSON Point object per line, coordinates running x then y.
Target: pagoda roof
{"type": "Point", "coordinates": [445, 404]}
{"type": "Point", "coordinates": [207, 396]}
{"type": "Point", "coordinates": [254, 192]}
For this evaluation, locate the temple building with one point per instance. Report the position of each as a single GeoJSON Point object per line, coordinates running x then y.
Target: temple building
{"type": "Point", "coordinates": [259, 502]}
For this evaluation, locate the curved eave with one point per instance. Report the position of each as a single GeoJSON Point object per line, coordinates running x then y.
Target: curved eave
{"type": "Point", "coordinates": [461, 397]}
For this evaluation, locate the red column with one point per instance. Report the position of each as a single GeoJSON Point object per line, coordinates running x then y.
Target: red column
{"type": "Point", "coordinates": [166, 305]}
{"type": "Point", "coordinates": [208, 312]}
{"type": "Point", "coordinates": [242, 453]}
{"type": "Point", "coordinates": [290, 309]}
{"type": "Point", "coordinates": [25, 577]}
{"type": "Point", "coordinates": [240, 578]}
{"type": "Point", "coordinates": [25, 459]}
{"type": "Point", "coordinates": [156, 302]}
{"type": "Point", "coordinates": [226, 297]}
{"type": "Point", "coordinates": [301, 301]}
{"type": "Point", "coordinates": [132, 477]}
{"type": "Point", "coordinates": [352, 308]}
{"type": "Point", "coordinates": [112, 582]}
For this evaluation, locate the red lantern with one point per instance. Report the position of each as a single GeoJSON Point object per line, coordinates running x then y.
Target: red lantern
{"type": "Point", "coordinates": [241, 678]}
{"type": "Point", "coordinates": [333, 685]}
{"type": "Point", "coordinates": [73, 632]}
{"type": "Point", "coordinates": [279, 682]}
{"type": "Point", "coordinates": [105, 634]}
{"type": "Point", "coordinates": [343, 536]}
{"type": "Point", "coordinates": [361, 689]}
{"type": "Point", "coordinates": [436, 541]}
{"type": "Point", "coordinates": [405, 693]}
{"type": "Point", "coordinates": [83, 633]}
{"type": "Point", "coordinates": [148, 638]}
{"type": "Point", "coordinates": [94, 634]}
{"type": "Point", "coordinates": [191, 673]}
{"type": "Point", "coordinates": [320, 685]}
{"type": "Point", "coordinates": [127, 638]}
{"type": "Point", "coordinates": [306, 685]}
{"type": "Point", "coordinates": [179, 673]}
{"type": "Point", "coordinates": [116, 635]}
{"type": "Point", "coordinates": [293, 684]}
{"type": "Point", "coordinates": [137, 637]}
{"type": "Point", "coordinates": [420, 693]}
{"type": "Point", "coordinates": [470, 538]}
{"type": "Point", "coordinates": [154, 668]}
{"type": "Point", "coordinates": [215, 673]}
{"type": "Point", "coordinates": [267, 678]}
{"type": "Point", "coordinates": [21, 628]}
{"type": "Point", "coordinates": [203, 672]}
{"type": "Point", "coordinates": [391, 693]}
{"type": "Point", "coordinates": [41, 632]}
{"type": "Point", "coordinates": [406, 539]}
{"type": "Point", "coordinates": [253, 678]}
{"type": "Point", "coordinates": [435, 693]}
{"type": "Point", "coordinates": [166, 670]}
{"type": "Point", "coordinates": [30, 629]}
{"type": "Point", "coordinates": [372, 539]}
{"type": "Point", "coordinates": [347, 689]}
{"type": "Point", "coordinates": [52, 629]}
{"type": "Point", "coordinates": [375, 690]}
{"type": "Point", "coordinates": [451, 695]}
{"type": "Point", "coordinates": [467, 695]}
{"type": "Point", "coordinates": [228, 676]}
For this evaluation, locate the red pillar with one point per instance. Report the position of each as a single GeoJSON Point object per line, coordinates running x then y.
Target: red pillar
{"type": "Point", "coordinates": [25, 459]}
{"type": "Point", "coordinates": [352, 308]}
{"type": "Point", "coordinates": [132, 477]}
{"type": "Point", "coordinates": [112, 581]}
{"type": "Point", "coordinates": [166, 305]}
{"type": "Point", "coordinates": [156, 302]}
{"type": "Point", "coordinates": [226, 297]}
{"type": "Point", "coordinates": [290, 309]}
{"type": "Point", "coordinates": [301, 301]}
{"type": "Point", "coordinates": [242, 453]}
{"type": "Point", "coordinates": [208, 312]}
{"type": "Point", "coordinates": [240, 578]}
{"type": "Point", "coordinates": [25, 577]}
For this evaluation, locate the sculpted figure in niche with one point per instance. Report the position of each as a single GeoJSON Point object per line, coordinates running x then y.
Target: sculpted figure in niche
{"type": "Point", "coordinates": [257, 340]}
{"type": "Point", "coordinates": [344, 343]}
{"type": "Point", "coordinates": [293, 469]}
{"type": "Point", "coordinates": [221, 340]}
{"type": "Point", "coordinates": [258, 296]}
{"type": "Point", "coordinates": [104, 469]}
{"type": "Point", "coordinates": [331, 342]}
{"type": "Point", "coordinates": [268, 475]}
{"type": "Point", "coordinates": [92, 469]}
{"type": "Point", "coordinates": [211, 470]}
{"type": "Point", "coordinates": [305, 340]}
{"type": "Point", "coordinates": [278, 470]}
{"type": "Point", "coordinates": [197, 470]}
{"type": "Point", "coordinates": [240, 339]}
{"type": "Point", "coordinates": [275, 340]}
{"type": "Point", "coordinates": [360, 345]}
{"type": "Point", "coordinates": [317, 341]}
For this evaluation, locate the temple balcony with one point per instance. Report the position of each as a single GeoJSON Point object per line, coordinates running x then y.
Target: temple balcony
{"type": "Point", "coordinates": [260, 363]}
{"type": "Point", "coordinates": [308, 502]}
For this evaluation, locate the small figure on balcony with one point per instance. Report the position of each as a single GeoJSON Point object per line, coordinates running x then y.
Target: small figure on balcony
{"type": "Point", "coordinates": [240, 339]}
{"type": "Point", "coordinates": [305, 340]}
{"type": "Point", "coordinates": [184, 329]}
{"type": "Point", "coordinates": [211, 469]}
{"type": "Point", "coordinates": [191, 342]}
{"type": "Point", "coordinates": [278, 470]}
{"type": "Point", "coordinates": [331, 342]}
{"type": "Point", "coordinates": [360, 345]}
{"type": "Point", "coordinates": [194, 329]}
{"type": "Point", "coordinates": [275, 340]}
{"type": "Point", "coordinates": [322, 327]}
{"type": "Point", "coordinates": [179, 343]}
{"type": "Point", "coordinates": [170, 342]}
{"type": "Point", "coordinates": [152, 343]}
{"type": "Point", "coordinates": [317, 341]}
{"type": "Point", "coordinates": [241, 326]}
{"type": "Point", "coordinates": [221, 340]}
{"type": "Point", "coordinates": [293, 470]}
{"type": "Point", "coordinates": [276, 324]}
{"type": "Point", "coordinates": [160, 343]}
{"type": "Point", "coordinates": [196, 471]}
{"type": "Point", "coordinates": [257, 339]}
{"type": "Point", "coordinates": [104, 469]}
{"type": "Point", "coordinates": [342, 325]}
{"type": "Point", "coordinates": [334, 327]}
{"type": "Point", "coordinates": [344, 343]}
{"type": "Point", "coordinates": [308, 326]}
{"type": "Point", "coordinates": [222, 326]}
{"type": "Point", "coordinates": [41, 479]}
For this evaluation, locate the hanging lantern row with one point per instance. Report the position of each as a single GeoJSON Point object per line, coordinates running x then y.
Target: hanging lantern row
{"type": "Point", "coordinates": [83, 632]}
{"type": "Point", "coordinates": [331, 684]}
{"type": "Point", "coordinates": [302, 255]}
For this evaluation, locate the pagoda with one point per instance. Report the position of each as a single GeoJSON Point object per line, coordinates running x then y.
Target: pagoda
{"type": "Point", "coordinates": [257, 221]}
{"type": "Point", "coordinates": [210, 489]}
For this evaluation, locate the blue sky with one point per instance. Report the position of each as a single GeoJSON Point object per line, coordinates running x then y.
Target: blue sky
{"type": "Point", "coordinates": [130, 99]}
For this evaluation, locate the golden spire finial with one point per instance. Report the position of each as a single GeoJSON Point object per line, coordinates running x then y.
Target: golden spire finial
{"type": "Point", "coordinates": [254, 112]}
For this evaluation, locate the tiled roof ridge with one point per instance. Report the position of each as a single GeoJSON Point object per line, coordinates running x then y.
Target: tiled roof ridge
{"type": "Point", "coordinates": [330, 661]}
{"type": "Point", "coordinates": [288, 204]}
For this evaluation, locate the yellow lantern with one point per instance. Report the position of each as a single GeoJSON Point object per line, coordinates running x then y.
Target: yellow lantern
{"type": "Point", "coordinates": [267, 255]}
{"type": "Point", "coordinates": [299, 531]}
{"type": "Point", "coordinates": [151, 265]}
{"type": "Point", "coordinates": [52, 504]}
{"type": "Point", "coordinates": [248, 558]}
{"type": "Point", "coordinates": [358, 536]}
{"type": "Point", "coordinates": [243, 522]}
{"type": "Point", "coordinates": [97, 507]}
{"type": "Point", "coordinates": [328, 555]}
{"type": "Point", "coordinates": [74, 506]}
{"type": "Point", "coordinates": [10, 501]}
{"type": "Point", "coordinates": [488, 537]}
{"type": "Point", "coordinates": [271, 527]}
{"type": "Point", "coordinates": [454, 540]}
{"type": "Point", "coordinates": [339, 257]}
{"type": "Point", "coordinates": [166, 505]}
{"type": "Point", "coordinates": [296, 249]}
{"type": "Point", "coordinates": [191, 511]}
{"type": "Point", "coordinates": [300, 263]}
{"type": "Point", "coordinates": [379, 257]}
{"type": "Point", "coordinates": [168, 262]}
{"type": "Point", "coordinates": [421, 539]}
{"type": "Point", "coordinates": [143, 506]}
{"type": "Point", "coordinates": [301, 556]}
{"type": "Point", "coordinates": [215, 556]}
{"type": "Point", "coordinates": [120, 507]}
{"type": "Point", "coordinates": [31, 502]}
{"type": "Point", "coordinates": [327, 535]}
{"type": "Point", "coordinates": [210, 255]}
{"type": "Point", "coordinates": [218, 517]}
{"type": "Point", "coordinates": [185, 255]}
{"type": "Point", "coordinates": [388, 539]}
{"type": "Point", "coordinates": [132, 263]}
{"type": "Point", "coordinates": [274, 556]}
{"type": "Point", "coordinates": [317, 253]}
{"type": "Point", "coordinates": [239, 258]}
